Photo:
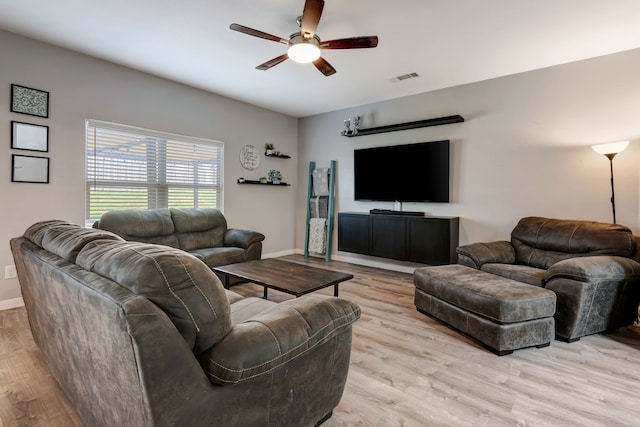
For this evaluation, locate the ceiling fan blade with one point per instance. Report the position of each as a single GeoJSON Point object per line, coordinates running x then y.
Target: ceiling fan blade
{"type": "Point", "coordinates": [272, 63]}
{"type": "Point", "coordinates": [311, 17]}
{"type": "Point", "coordinates": [351, 43]}
{"type": "Point", "coordinates": [324, 67]}
{"type": "Point", "coordinates": [257, 33]}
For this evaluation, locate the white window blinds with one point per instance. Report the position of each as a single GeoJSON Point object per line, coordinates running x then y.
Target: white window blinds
{"type": "Point", "coordinates": [133, 168]}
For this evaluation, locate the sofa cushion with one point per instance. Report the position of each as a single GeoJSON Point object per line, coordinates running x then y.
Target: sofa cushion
{"type": "Point", "coordinates": [215, 257]}
{"type": "Point", "coordinates": [65, 239]}
{"type": "Point", "coordinates": [180, 284]}
{"type": "Point", "coordinates": [521, 273]}
{"type": "Point", "coordinates": [146, 226]}
{"type": "Point", "coordinates": [199, 228]}
{"type": "Point", "coordinates": [541, 242]}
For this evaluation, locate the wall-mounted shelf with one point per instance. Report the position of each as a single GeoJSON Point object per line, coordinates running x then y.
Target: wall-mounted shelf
{"type": "Point", "coordinates": [255, 182]}
{"type": "Point", "coordinates": [282, 156]}
{"type": "Point", "coordinates": [409, 125]}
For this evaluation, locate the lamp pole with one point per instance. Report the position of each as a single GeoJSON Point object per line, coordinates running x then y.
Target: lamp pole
{"type": "Point", "coordinates": [609, 151]}
{"type": "Point", "coordinates": [610, 156]}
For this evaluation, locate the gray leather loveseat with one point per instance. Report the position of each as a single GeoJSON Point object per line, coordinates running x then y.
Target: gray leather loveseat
{"type": "Point", "coordinates": [201, 232]}
{"type": "Point", "coordinates": [139, 335]}
{"type": "Point", "coordinates": [592, 267]}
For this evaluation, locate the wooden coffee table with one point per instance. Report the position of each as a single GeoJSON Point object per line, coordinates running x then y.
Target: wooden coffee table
{"type": "Point", "coordinates": [288, 277]}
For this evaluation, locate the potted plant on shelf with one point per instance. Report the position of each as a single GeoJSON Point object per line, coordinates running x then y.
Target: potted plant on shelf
{"type": "Point", "coordinates": [269, 148]}
{"type": "Point", "coordinates": [275, 176]}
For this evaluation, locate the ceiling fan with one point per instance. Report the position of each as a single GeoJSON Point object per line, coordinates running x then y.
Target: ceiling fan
{"type": "Point", "coordinates": [305, 46]}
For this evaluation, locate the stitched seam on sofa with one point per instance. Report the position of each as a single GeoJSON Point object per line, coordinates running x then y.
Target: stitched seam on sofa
{"type": "Point", "coordinates": [491, 252]}
{"type": "Point", "coordinates": [575, 230]}
{"type": "Point", "coordinates": [309, 338]}
{"type": "Point", "coordinates": [275, 339]}
{"type": "Point", "coordinates": [164, 277]}
{"type": "Point", "coordinates": [215, 314]}
{"type": "Point", "coordinates": [335, 332]}
{"type": "Point", "coordinates": [593, 296]}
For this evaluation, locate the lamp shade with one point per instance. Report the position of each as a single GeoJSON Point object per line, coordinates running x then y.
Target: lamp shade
{"type": "Point", "coordinates": [610, 148]}
{"type": "Point", "coordinates": [304, 52]}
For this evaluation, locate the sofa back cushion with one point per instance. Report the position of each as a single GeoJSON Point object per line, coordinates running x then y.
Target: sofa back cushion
{"type": "Point", "coordinates": [65, 239]}
{"type": "Point", "coordinates": [178, 283]}
{"type": "Point", "coordinates": [199, 228]}
{"type": "Point", "coordinates": [146, 226]}
{"type": "Point", "coordinates": [541, 242]}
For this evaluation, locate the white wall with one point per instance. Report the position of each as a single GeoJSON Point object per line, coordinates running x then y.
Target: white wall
{"type": "Point", "coordinates": [523, 150]}
{"type": "Point", "coordinates": [82, 87]}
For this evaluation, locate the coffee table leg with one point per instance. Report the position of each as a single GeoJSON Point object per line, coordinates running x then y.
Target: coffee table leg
{"type": "Point", "coordinates": [265, 292]}
{"type": "Point", "coordinates": [335, 290]}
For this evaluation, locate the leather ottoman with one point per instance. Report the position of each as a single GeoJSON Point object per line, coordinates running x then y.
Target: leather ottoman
{"type": "Point", "coordinates": [503, 314]}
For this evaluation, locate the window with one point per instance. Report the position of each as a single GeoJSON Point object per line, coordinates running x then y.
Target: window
{"type": "Point", "coordinates": [133, 168]}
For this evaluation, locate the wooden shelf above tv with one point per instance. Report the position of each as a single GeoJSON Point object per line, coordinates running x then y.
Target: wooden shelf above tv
{"type": "Point", "coordinates": [438, 121]}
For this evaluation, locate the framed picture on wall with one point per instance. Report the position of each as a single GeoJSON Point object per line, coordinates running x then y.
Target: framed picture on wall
{"type": "Point", "coordinates": [31, 169]}
{"type": "Point", "coordinates": [27, 136]}
{"type": "Point", "coordinates": [26, 100]}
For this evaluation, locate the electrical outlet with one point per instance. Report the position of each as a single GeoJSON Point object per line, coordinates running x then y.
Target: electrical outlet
{"type": "Point", "coordinates": [10, 272]}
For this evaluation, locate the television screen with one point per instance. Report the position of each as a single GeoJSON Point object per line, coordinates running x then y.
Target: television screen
{"type": "Point", "coordinates": [406, 173]}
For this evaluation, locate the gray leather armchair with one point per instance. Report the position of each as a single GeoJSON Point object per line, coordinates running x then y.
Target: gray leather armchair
{"type": "Point", "coordinates": [592, 267]}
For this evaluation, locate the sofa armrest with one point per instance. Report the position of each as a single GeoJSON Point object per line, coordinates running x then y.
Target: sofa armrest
{"type": "Point", "coordinates": [276, 336]}
{"type": "Point", "coordinates": [476, 254]}
{"type": "Point", "coordinates": [594, 268]}
{"type": "Point", "coordinates": [241, 238]}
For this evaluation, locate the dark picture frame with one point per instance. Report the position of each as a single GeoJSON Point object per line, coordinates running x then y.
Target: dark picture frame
{"type": "Point", "coordinates": [31, 169]}
{"type": "Point", "coordinates": [27, 100]}
{"type": "Point", "coordinates": [29, 136]}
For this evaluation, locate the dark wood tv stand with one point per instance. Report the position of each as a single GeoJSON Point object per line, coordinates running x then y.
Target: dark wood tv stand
{"type": "Point", "coordinates": [427, 240]}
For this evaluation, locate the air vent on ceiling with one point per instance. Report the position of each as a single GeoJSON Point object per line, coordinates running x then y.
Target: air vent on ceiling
{"type": "Point", "coordinates": [404, 77]}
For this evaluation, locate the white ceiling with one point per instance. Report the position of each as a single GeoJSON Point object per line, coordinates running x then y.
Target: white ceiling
{"type": "Point", "coordinates": [447, 42]}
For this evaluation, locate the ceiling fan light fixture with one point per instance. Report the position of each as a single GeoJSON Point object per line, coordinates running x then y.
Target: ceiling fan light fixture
{"type": "Point", "coordinates": [304, 52]}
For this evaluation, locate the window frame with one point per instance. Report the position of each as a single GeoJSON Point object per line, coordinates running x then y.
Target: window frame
{"type": "Point", "coordinates": [162, 174]}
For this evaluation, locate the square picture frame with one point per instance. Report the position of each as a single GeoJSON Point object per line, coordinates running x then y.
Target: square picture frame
{"type": "Point", "coordinates": [30, 169]}
{"type": "Point", "coordinates": [27, 100]}
{"type": "Point", "coordinates": [29, 136]}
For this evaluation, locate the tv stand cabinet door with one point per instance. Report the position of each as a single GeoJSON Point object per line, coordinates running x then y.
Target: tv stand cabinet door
{"type": "Point", "coordinates": [433, 241]}
{"type": "Point", "coordinates": [353, 233]}
{"type": "Point", "coordinates": [389, 236]}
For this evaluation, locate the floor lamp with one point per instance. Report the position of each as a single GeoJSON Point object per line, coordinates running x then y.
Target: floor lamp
{"type": "Point", "coordinates": [610, 150]}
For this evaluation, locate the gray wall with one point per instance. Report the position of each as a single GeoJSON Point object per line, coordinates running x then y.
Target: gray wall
{"type": "Point", "coordinates": [523, 150]}
{"type": "Point", "coordinates": [83, 88]}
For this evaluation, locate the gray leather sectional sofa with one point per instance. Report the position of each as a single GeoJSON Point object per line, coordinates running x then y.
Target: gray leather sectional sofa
{"type": "Point", "coordinates": [139, 334]}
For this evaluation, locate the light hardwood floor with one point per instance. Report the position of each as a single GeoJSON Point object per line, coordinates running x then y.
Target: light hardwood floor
{"type": "Point", "coordinates": [407, 369]}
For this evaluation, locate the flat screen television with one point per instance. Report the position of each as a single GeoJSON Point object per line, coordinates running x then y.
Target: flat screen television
{"type": "Point", "coordinates": [405, 173]}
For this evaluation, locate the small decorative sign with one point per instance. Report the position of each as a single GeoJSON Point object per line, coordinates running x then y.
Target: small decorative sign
{"type": "Point", "coordinates": [249, 157]}
{"type": "Point", "coordinates": [26, 100]}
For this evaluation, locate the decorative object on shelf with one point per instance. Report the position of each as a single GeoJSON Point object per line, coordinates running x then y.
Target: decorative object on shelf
{"type": "Point", "coordinates": [249, 157]}
{"type": "Point", "coordinates": [26, 100]}
{"type": "Point", "coordinates": [350, 130]}
{"type": "Point", "coordinates": [274, 176]}
{"type": "Point", "coordinates": [269, 148]}
{"type": "Point", "coordinates": [27, 136]}
{"type": "Point", "coordinates": [263, 180]}
{"type": "Point", "coordinates": [609, 151]}
{"type": "Point", "coordinates": [241, 180]}
{"type": "Point", "coordinates": [406, 126]}
{"type": "Point", "coordinates": [29, 169]}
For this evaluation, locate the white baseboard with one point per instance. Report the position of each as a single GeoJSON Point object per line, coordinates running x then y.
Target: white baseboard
{"type": "Point", "coordinates": [279, 254]}
{"type": "Point", "coordinates": [11, 303]}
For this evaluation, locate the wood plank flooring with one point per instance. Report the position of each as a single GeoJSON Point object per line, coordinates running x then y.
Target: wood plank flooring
{"type": "Point", "coordinates": [407, 369]}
